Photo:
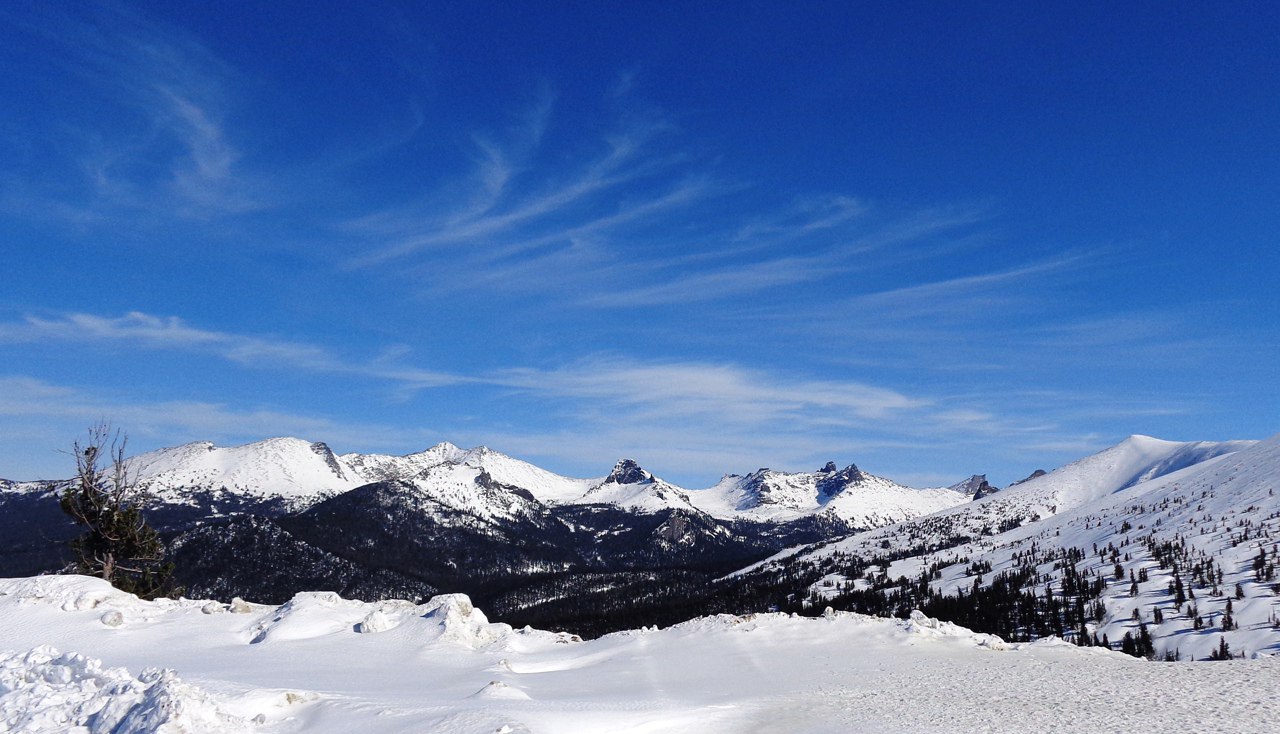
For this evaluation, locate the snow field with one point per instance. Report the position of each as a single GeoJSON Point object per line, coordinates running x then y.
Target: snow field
{"type": "Point", "coordinates": [325, 664]}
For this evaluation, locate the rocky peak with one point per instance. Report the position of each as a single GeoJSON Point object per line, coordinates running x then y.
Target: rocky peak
{"type": "Point", "coordinates": [974, 485]}
{"type": "Point", "coordinates": [627, 471]}
{"type": "Point", "coordinates": [836, 481]}
{"type": "Point", "coordinates": [830, 468]}
{"type": "Point", "coordinates": [485, 480]}
{"type": "Point", "coordinates": [1034, 475]}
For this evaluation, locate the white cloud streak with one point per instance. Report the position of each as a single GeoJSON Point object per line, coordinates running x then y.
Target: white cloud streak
{"type": "Point", "coordinates": [172, 333]}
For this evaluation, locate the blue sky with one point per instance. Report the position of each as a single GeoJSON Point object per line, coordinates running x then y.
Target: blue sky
{"type": "Point", "coordinates": [933, 241]}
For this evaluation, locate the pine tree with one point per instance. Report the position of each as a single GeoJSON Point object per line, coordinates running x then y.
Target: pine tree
{"type": "Point", "coordinates": [1223, 652]}
{"type": "Point", "coordinates": [1145, 647]}
{"type": "Point", "coordinates": [118, 545]}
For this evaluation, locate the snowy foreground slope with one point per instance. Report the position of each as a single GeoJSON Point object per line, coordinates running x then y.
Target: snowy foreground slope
{"type": "Point", "coordinates": [80, 654]}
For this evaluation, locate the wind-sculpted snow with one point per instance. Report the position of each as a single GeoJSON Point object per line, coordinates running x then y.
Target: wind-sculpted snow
{"type": "Point", "coordinates": [311, 615]}
{"type": "Point", "coordinates": [43, 690]}
{"type": "Point", "coordinates": [325, 664]}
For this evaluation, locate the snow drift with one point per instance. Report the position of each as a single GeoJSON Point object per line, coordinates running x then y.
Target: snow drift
{"type": "Point", "coordinates": [320, 663]}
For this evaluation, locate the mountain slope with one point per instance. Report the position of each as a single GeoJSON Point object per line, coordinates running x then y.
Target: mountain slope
{"type": "Point", "coordinates": [1188, 557]}
{"type": "Point", "coordinates": [1096, 476]}
{"type": "Point", "coordinates": [289, 468]}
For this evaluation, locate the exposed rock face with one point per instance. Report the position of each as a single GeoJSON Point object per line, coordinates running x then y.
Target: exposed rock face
{"type": "Point", "coordinates": [984, 489]}
{"type": "Point", "coordinates": [837, 481]}
{"type": "Point", "coordinates": [975, 486]}
{"type": "Point", "coordinates": [322, 449]}
{"type": "Point", "coordinates": [1034, 475]}
{"type": "Point", "coordinates": [627, 471]}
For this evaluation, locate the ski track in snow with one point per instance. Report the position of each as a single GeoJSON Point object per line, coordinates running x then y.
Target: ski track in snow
{"type": "Point", "coordinates": [324, 664]}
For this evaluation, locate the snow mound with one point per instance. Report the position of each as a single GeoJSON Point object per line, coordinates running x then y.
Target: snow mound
{"type": "Point", "coordinates": [310, 614]}
{"type": "Point", "coordinates": [446, 618]}
{"type": "Point", "coordinates": [44, 690]}
{"type": "Point", "coordinates": [920, 624]}
{"type": "Point", "coordinates": [460, 622]}
{"type": "Point", "coordinates": [68, 593]}
{"type": "Point", "coordinates": [377, 621]}
{"type": "Point", "coordinates": [499, 691]}
{"type": "Point", "coordinates": [909, 631]}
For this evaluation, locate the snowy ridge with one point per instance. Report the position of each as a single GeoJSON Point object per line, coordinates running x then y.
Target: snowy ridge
{"type": "Point", "coordinates": [863, 500]}
{"type": "Point", "coordinates": [303, 473]}
{"type": "Point", "coordinates": [1223, 508]}
{"type": "Point", "coordinates": [320, 663]}
{"type": "Point", "coordinates": [1099, 475]}
{"type": "Point", "coordinates": [377, 467]}
{"type": "Point", "coordinates": [472, 491]}
{"type": "Point", "coordinates": [277, 467]}
{"type": "Point", "coordinates": [546, 486]}
{"type": "Point", "coordinates": [11, 487]}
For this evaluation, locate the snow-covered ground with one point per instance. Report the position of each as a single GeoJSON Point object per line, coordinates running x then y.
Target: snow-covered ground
{"type": "Point", "coordinates": [80, 654]}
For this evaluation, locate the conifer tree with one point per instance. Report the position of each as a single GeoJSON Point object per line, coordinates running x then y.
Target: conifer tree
{"type": "Point", "coordinates": [118, 545]}
{"type": "Point", "coordinates": [1223, 652]}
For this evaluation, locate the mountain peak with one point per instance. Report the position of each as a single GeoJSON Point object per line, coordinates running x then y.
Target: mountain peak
{"type": "Point", "coordinates": [975, 486]}
{"type": "Point", "coordinates": [1033, 475]}
{"type": "Point", "coordinates": [627, 471]}
{"type": "Point", "coordinates": [829, 468]}
{"type": "Point", "coordinates": [833, 482]}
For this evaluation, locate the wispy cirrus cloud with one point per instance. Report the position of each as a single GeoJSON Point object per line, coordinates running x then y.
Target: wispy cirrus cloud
{"type": "Point", "coordinates": [157, 140]}
{"type": "Point", "coordinates": [495, 213]}
{"type": "Point", "coordinates": [726, 392]}
{"type": "Point", "coordinates": [632, 218]}
{"type": "Point", "coordinates": [934, 296]}
{"type": "Point", "coordinates": [655, 388]}
{"type": "Point", "coordinates": [723, 282]}
{"type": "Point", "coordinates": [171, 333]}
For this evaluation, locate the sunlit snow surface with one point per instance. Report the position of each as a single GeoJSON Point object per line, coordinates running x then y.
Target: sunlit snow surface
{"type": "Point", "coordinates": [321, 663]}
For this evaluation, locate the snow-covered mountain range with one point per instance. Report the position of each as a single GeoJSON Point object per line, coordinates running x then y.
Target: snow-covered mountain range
{"type": "Point", "coordinates": [303, 472]}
